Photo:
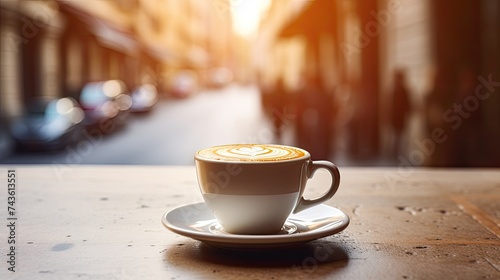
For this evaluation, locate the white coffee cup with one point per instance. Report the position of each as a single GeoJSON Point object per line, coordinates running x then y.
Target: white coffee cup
{"type": "Point", "coordinates": [253, 188]}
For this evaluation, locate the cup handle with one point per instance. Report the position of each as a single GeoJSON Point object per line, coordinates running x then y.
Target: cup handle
{"type": "Point", "coordinates": [310, 169]}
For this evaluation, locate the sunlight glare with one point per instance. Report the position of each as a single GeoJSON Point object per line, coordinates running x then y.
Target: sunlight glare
{"type": "Point", "coordinates": [246, 15]}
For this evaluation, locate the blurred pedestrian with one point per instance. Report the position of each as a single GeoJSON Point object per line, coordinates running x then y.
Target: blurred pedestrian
{"type": "Point", "coordinates": [400, 111]}
{"type": "Point", "coordinates": [279, 105]}
{"type": "Point", "coordinates": [314, 124]}
{"type": "Point", "coordinates": [275, 103]}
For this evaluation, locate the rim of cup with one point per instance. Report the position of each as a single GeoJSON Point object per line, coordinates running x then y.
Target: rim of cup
{"type": "Point", "coordinates": [306, 155]}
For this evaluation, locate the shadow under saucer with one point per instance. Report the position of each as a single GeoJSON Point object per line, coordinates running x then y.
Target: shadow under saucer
{"type": "Point", "coordinates": [305, 255]}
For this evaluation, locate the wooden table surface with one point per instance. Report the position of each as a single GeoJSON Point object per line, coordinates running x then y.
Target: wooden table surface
{"type": "Point", "coordinates": [103, 222]}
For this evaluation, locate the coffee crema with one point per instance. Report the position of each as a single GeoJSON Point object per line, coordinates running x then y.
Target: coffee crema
{"type": "Point", "coordinates": [251, 153]}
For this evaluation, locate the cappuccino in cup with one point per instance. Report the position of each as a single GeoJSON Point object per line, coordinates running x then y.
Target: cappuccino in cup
{"type": "Point", "coordinates": [251, 153]}
{"type": "Point", "coordinates": [253, 188]}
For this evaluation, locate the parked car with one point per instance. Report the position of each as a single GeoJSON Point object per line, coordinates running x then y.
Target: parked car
{"type": "Point", "coordinates": [106, 104]}
{"type": "Point", "coordinates": [144, 97]}
{"type": "Point", "coordinates": [182, 83]}
{"type": "Point", "coordinates": [6, 141]}
{"type": "Point", "coordinates": [48, 124]}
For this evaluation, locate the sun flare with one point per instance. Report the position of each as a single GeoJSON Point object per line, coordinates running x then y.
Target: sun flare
{"type": "Point", "coordinates": [246, 15]}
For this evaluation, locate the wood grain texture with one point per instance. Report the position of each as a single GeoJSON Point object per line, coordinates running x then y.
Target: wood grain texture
{"type": "Point", "coordinates": [103, 222]}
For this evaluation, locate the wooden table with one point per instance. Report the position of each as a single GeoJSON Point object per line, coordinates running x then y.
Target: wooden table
{"type": "Point", "coordinates": [103, 222]}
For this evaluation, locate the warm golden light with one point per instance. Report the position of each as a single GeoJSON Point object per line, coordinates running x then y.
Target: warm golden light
{"type": "Point", "coordinates": [246, 15]}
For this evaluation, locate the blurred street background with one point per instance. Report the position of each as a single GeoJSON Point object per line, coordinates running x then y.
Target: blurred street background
{"type": "Point", "coordinates": [359, 82]}
{"type": "Point", "coordinates": [169, 134]}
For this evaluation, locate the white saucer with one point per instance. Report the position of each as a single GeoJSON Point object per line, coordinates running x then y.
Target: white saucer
{"type": "Point", "coordinates": [198, 222]}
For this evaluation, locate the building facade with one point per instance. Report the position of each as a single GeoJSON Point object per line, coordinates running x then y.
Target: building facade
{"type": "Point", "coordinates": [441, 46]}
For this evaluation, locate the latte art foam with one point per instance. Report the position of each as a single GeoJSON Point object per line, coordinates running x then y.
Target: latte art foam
{"type": "Point", "coordinates": [251, 152]}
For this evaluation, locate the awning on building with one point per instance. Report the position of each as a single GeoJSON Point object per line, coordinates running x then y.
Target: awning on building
{"type": "Point", "coordinates": [109, 34]}
{"type": "Point", "coordinates": [159, 53]}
